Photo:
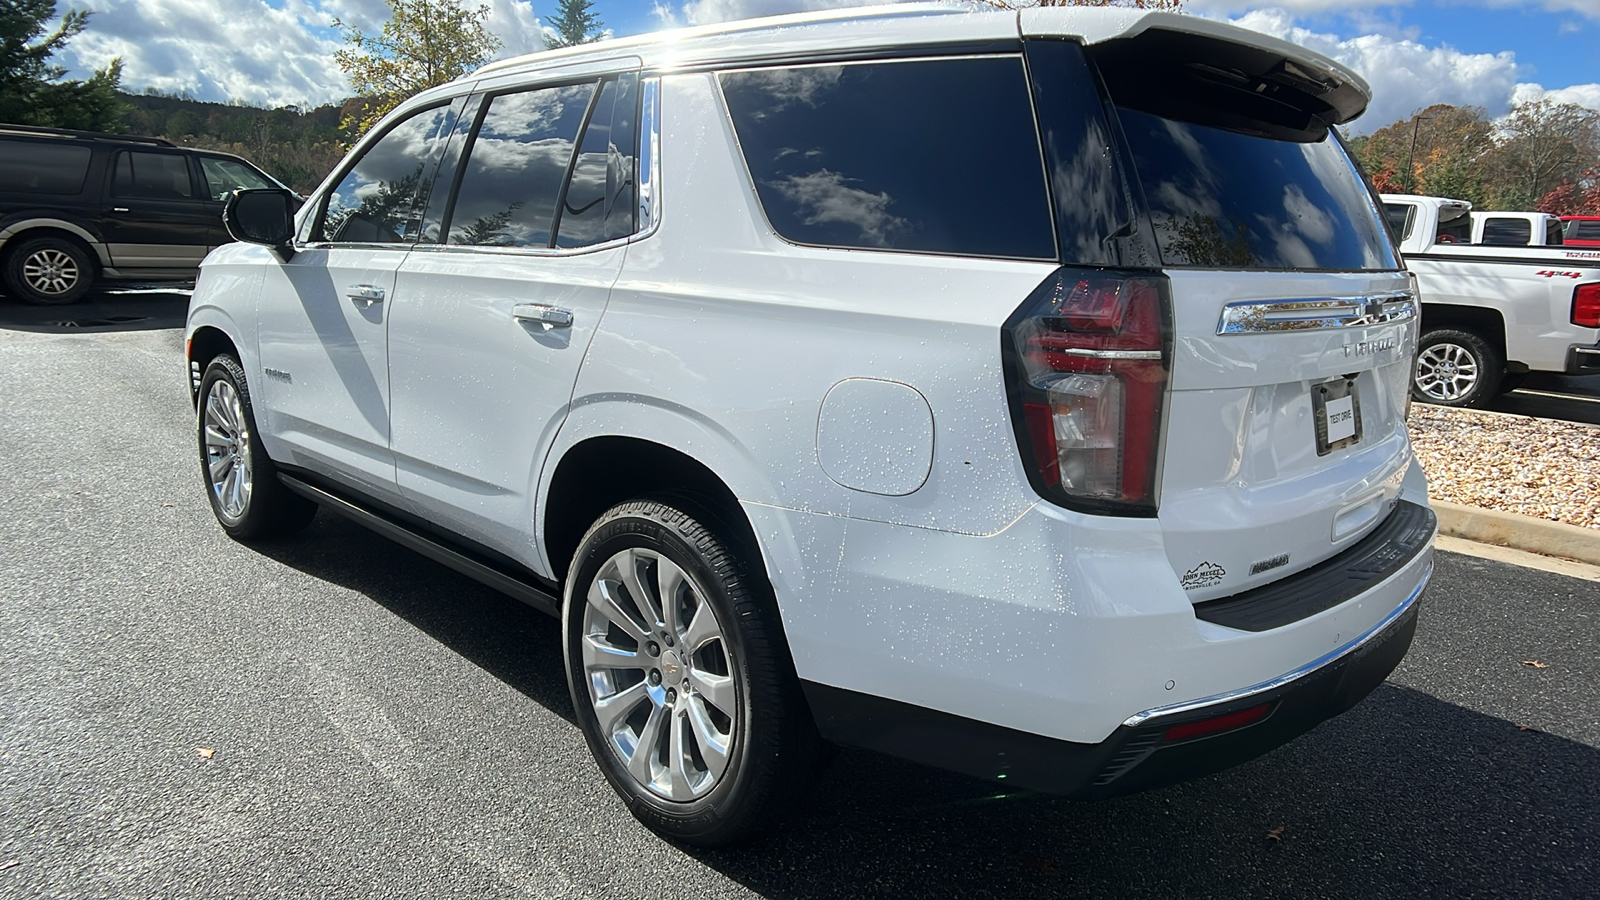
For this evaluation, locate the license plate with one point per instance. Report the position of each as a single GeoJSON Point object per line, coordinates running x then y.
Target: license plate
{"type": "Point", "coordinates": [1337, 414]}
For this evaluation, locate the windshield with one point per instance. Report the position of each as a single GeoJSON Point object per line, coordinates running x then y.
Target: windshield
{"type": "Point", "coordinates": [1228, 200]}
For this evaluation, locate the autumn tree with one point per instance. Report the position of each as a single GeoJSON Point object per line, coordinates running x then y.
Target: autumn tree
{"type": "Point", "coordinates": [1543, 145]}
{"type": "Point", "coordinates": [574, 23]}
{"type": "Point", "coordinates": [424, 43]}
{"type": "Point", "coordinates": [1439, 150]}
{"type": "Point", "coordinates": [32, 91]}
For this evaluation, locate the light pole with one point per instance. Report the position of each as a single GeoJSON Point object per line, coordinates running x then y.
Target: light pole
{"type": "Point", "coordinates": [1411, 157]}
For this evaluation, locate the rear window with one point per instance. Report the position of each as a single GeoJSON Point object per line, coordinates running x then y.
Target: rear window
{"type": "Point", "coordinates": [1228, 200]}
{"type": "Point", "coordinates": [929, 156]}
{"type": "Point", "coordinates": [1508, 232]}
{"type": "Point", "coordinates": [1584, 231]}
{"type": "Point", "coordinates": [33, 167]}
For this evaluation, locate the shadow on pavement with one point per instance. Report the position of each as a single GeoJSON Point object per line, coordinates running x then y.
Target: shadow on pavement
{"type": "Point", "coordinates": [1405, 795]}
{"type": "Point", "coordinates": [1573, 398]}
{"type": "Point", "coordinates": [101, 311]}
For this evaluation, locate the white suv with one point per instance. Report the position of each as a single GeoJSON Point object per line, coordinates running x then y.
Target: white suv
{"type": "Point", "coordinates": [1017, 393]}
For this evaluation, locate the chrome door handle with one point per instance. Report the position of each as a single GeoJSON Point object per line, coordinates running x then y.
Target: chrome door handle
{"type": "Point", "coordinates": [370, 293]}
{"type": "Point", "coordinates": [119, 209]}
{"type": "Point", "coordinates": [554, 316]}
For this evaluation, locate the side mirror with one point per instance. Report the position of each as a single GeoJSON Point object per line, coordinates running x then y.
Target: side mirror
{"type": "Point", "coordinates": [263, 216]}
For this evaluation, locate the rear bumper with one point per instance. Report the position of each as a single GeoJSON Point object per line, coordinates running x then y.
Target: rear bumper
{"type": "Point", "coordinates": [1583, 360]}
{"type": "Point", "coordinates": [1143, 752]}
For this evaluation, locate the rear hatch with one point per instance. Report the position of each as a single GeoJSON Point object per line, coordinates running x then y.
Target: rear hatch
{"type": "Point", "coordinates": [1291, 322]}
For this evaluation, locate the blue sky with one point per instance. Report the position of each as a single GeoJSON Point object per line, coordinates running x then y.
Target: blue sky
{"type": "Point", "coordinates": [1490, 53]}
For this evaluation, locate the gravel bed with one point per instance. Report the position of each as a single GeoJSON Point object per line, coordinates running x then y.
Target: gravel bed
{"type": "Point", "coordinates": [1543, 468]}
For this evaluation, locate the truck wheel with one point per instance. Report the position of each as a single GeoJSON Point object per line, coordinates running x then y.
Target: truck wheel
{"type": "Point", "coordinates": [241, 481]}
{"type": "Point", "coordinates": [49, 271]}
{"type": "Point", "coordinates": [1456, 368]}
{"type": "Point", "coordinates": [680, 678]}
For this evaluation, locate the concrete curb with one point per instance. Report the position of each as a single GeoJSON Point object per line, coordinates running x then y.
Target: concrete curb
{"type": "Point", "coordinates": [1503, 529]}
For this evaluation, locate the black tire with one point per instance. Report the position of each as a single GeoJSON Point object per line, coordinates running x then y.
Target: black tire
{"type": "Point", "coordinates": [241, 482]}
{"type": "Point", "coordinates": [49, 271]}
{"type": "Point", "coordinates": [772, 743]}
{"type": "Point", "coordinates": [1456, 368]}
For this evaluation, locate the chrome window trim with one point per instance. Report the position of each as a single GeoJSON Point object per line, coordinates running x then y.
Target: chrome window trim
{"type": "Point", "coordinates": [1326, 659]}
{"type": "Point", "coordinates": [1314, 314]}
{"type": "Point", "coordinates": [649, 161]}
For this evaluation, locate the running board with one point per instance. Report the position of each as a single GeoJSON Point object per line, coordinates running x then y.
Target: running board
{"type": "Point", "coordinates": [531, 594]}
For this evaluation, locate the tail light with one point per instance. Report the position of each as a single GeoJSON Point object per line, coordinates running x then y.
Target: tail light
{"type": "Point", "coordinates": [1087, 365]}
{"type": "Point", "coordinates": [1586, 305]}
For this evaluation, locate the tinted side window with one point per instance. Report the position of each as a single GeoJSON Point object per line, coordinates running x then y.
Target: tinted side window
{"type": "Point", "coordinates": [380, 199]}
{"type": "Point", "coordinates": [1402, 218]}
{"type": "Point", "coordinates": [599, 204]}
{"type": "Point", "coordinates": [40, 168]}
{"type": "Point", "coordinates": [152, 176]}
{"type": "Point", "coordinates": [224, 176]}
{"type": "Point", "coordinates": [1507, 231]}
{"type": "Point", "coordinates": [1584, 231]}
{"type": "Point", "coordinates": [1228, 200]}
{"type": "Point", "coordinates": [935, 156]}
{"type": "Point", "coordinates": [511, 179]}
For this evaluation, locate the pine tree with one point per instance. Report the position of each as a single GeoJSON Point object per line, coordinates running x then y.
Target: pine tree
{"type": "Point", "coordinates": [574, 23]}
{"type": "Point", "coordinates": [31, 89]}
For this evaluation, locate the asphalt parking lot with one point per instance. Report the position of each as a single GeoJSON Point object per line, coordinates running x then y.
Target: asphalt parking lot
{"type": "Point", "coordinates": [382, 727]}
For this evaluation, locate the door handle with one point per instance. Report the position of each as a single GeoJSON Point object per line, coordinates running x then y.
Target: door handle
{"type": "Point", "coordinates": [370, 293]}
{"type": "Point", "coordinates": [119, 209]}
{"type": "Point", "coordinates": [553, 316]}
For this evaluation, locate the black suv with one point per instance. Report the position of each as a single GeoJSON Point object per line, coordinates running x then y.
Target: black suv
{"type": "Point", "coordinates": [77, 207]}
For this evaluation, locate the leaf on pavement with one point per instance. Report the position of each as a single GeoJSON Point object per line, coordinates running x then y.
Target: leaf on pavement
{"type": "Point", "coordinates": [1523, 727]}
{"type": "Point", "coordinates": [1534, 663]}
{"type": "Point", "coordinates": [1276, 834]}
{"type": "Point", "coordinates": [205, 752]}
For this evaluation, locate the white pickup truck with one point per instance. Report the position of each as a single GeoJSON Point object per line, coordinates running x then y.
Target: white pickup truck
{"type": "Point", "coordinates": [1493, 313]}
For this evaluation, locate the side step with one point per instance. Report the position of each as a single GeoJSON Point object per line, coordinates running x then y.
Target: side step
{"type": "Point", "coordinates": [527, 591]}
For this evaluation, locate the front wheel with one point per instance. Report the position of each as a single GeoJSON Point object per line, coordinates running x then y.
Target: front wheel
{"type": "Point", "coordinates": [1456, 368]}
{"type": "Point", "coordinates": [240, 480]}
{"type": "Point", "coordinates": [680, 677]}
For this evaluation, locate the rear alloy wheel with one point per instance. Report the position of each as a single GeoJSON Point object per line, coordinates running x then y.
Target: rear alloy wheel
{"type": "Point", "coordinates": [1456, 368]}
{"type": "Point", "coordinates": [680, 680]}
{"type": "Point", "coordinates": [241, 481]}
{"type": "Point", "coordinates": [49, 271]}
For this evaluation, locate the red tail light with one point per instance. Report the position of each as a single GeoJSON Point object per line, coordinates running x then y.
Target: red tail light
{"type": "Point", "coordinates": [1087, 369]}
{"type": "Point", "coordinates": [1586, 305]}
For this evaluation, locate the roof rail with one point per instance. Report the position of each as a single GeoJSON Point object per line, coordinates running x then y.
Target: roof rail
{"type": "Point", "coordinates": [6, 128]}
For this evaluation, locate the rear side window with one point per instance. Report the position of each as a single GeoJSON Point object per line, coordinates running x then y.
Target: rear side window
{"type": "Point", "coordinates": [1223, 199]}
{"type": "Point", "coordinates": [39, 168]}
{"type": "Point", "coordinates": [511, 179]}
{"type": "Point", "coordinates": [930, 156]}
{"type": "Point", "coordinates": [152, 176]}
{"type": "Point", "coordinates": [600, 205]}
{"type": "Point", "coordinates": [1584, 231]}
{"type": "Point", "coordinates": [1402, 218]}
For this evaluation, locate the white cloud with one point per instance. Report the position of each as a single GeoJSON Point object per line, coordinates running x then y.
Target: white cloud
{"type": "Point", "coordinates": [1405, 75]}
{"type": "Point", "coordinates": [707, 12]}
{"type": "Point", "coordinates": [247, 49]}
{"type": "Point", "coordinates": [1581, 94]}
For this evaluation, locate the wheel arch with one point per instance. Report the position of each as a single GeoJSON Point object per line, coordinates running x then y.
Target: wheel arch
{"type": "Point", "coordinates": [599, 472]}
{"type": "Point", "coordinates": [1485, 322]}
{"type": "Point", "coordinates": [205, 343]}
{"type": "Point", "coordinates": [24, 229]}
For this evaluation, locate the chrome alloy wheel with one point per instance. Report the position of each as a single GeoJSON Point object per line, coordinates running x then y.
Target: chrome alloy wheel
{"type": "Point", "coordinates": [659, 674]}
{"type": "Point", "coordinates": [1446, 372]}
{"type": "Point", "coordinates": [50, 271]}
{"type": "Point", "coordinates": [227, 438]}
